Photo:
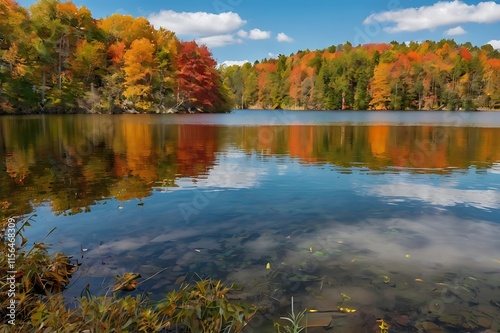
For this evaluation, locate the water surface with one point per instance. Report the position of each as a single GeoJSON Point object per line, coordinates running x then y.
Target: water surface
{"type": "Point", "coordinates": [397, 210]}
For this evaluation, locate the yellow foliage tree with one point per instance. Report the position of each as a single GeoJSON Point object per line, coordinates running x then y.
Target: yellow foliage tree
{"type": "Point", "coordinates": [380, 88]}
{"type": "Point", "coordinates": [139, 67]}
{"type": "Point", "coordinates": [88, 57]}
{"type": "Point", "coordinates": [127, 28]}
{"type": "Point", "coordinates": [16, 63]}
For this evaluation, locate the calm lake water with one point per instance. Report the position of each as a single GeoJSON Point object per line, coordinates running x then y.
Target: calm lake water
{"type": "Point", "coordinates": [397, 210]}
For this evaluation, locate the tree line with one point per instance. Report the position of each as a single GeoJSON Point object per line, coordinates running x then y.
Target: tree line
{"type": "Point", "coordinates": [430, 75]}
{"type": "Point", "coordinates": [55, 57]}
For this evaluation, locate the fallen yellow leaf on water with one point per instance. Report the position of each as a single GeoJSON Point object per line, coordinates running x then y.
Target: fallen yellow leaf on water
{"type": "Point", "coordinates": [347, 310]}
{"type": "Point", "coordinates": [313, 310]}
{"type": "Point", "coordinates": [310, 249]}
{"type": "Point", "coordinates": [383, 325]}
{"type": "Point", "coordinates": [419, 280]}
{"type": "Point", "coordinates": [268, 266]}
{"type": "Point", "coordinates": [407, 255]}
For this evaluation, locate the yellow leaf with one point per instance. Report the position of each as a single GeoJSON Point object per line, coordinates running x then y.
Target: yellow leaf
{"type": "Point", "coordinates": [313, 310]}
{"type": "Point", "coordinates": [419, 280]}
{"type": "Point", "coordinates": [347, 310]}
{"type": "Point", "coordinates": [268, 266]}
{"type": "Point", "coordinates": [310, 248]}
{"type": "Point", "coordinates": [407, 255]}
{"type": "Point", "coordinates": [383, 325]}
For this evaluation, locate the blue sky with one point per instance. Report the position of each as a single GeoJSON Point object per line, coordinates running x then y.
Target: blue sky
{"type": "Point", "coordinates": [237, 30]}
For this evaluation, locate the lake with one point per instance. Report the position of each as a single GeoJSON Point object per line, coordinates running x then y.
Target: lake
{"type": "Point", "coordinates": [394, 214]}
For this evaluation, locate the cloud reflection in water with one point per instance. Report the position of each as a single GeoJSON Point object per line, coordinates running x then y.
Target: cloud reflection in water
{"type": "Point", "coordinates": [440, 196]}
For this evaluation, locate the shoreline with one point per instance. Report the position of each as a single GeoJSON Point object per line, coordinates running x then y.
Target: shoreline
{"type": "Point", "coordinates": [4, 113]}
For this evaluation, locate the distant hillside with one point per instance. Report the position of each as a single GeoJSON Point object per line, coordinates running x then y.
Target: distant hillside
{"type": "Point", "coordinates": [419, 76]}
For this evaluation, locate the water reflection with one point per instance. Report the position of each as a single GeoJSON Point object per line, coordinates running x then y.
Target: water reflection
{"type": "Point", "coordinates": [403, 219]}
{"type": "Point", "coordinates": [440, 196]}
{"type": "Point", "coordinates": [74, 161]}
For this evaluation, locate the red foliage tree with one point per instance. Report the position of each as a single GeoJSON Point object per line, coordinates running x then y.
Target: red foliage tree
{"type": "Point", "coordinates": [465, 54]}
{"type": "Point", "coordinates": [197, 80]}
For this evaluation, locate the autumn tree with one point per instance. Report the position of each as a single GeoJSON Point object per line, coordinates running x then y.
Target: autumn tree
{"type": "Point", "coordinates": [126, 28]}
{"type": "Point", "coordinates": [250, 83]}
{"type": "Point", "coordinates": [164, 84]}
{"type": "Point", "coordinates": [492, 83]}
{"type": "Point", "coordinates": [198, 82]}
{"type": "Point", "coordinates": [296, 85]}
{"type": "Point", "coordinates": [379, 86]}
{"type": "Point", "coordinates": [15, 73]}
{"type": "Point", "coordinates": [88, 58]}
{"type": "Point", "coordinates": [233, 79]}
{"type": "Point", "coordinates": [139, 68]}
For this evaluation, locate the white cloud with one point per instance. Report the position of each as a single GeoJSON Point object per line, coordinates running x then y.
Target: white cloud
{"type": "Point", "coordinates": [254, 34]}
{"type": "Point", "coordinates": [495, 44]}
{"type": "Point", "coordinates": [219, 40]}
{"type": "Point", "coordinates": [272, 55]}
{"type": "Point", "coordinates": [242, 34]}
{"type": "Point", "coordinates": [282, 37]}
{"type": "Point", "coordinates": [442, 13]}
{"type": "Point", "coordinates": [455, 31]}
{"type": "Point", "coordinates": [197, 23]}
{"type": "Point", "coordinates": [259, 34]}
{"type": "Point", "coordinates": [234, 62]}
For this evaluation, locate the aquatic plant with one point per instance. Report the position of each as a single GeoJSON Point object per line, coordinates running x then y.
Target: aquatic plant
{"type": "Point", "coordinates": [33, 272]}
{"type": "Point", "coordinates": [294, 319]}
{"type": "Point", "coordinates": [204, 307]}
{"type": "Point", "coordinates": [40, 279]}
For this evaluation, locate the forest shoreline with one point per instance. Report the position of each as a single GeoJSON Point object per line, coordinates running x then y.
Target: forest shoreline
{"type": "Point", "coordinates": [57, 58]}
{"type": "Point", "coordinates": [83, 112]}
